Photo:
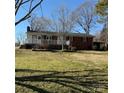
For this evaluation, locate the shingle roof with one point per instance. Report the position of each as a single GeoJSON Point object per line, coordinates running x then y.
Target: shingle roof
{"type": "Point", "coordinates": [67, 34]}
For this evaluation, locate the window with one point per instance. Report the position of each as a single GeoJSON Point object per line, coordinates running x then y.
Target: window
{"type": "Point", "coordinates": [67, 38]}
{"type": "Point", "coordinates": [44, 36]}
{"type": "Point", "coordinates": [39, 37]}
{"type": "Point", "coordinates": [54, 37]}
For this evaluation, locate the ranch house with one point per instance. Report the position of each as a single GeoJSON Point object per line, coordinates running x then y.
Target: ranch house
{"type": "Point", "coordinates": [53, 40]}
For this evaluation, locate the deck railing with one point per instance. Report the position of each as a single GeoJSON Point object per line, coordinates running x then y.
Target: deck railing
{"type": "Point", "coordinates": [43, 42]}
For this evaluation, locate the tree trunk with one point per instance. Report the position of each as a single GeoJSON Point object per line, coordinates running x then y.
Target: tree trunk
{"type": "Point", "coordinates": [62, 43]}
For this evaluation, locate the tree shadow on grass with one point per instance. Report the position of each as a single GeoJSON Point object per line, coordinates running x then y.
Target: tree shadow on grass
{"type": "Point", "coordinates": [87, 81]}
{"type": "Point", "coordinates": [39, 90]}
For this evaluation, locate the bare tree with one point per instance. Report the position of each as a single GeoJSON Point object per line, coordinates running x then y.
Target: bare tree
{"type": "Point", "coordinates": [86, 16]}
{"type": "Point", "coordinates": [55, 25]}
{"type": "Point", "coordinates": [97, 36]}
{"type": "Point", "coordinates": [21, 38]}
{"type": "Point", "coordinates": [31, 6]}
{"type": "Point", "coordinates": [65, 23]}
{"type": "Point", "coordinates": [40, 24]}
{"type": "Point", "coordinates": [102, 36]}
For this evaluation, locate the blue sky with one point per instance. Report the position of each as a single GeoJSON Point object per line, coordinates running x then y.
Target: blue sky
{"type": "Point", "coordinates": [49, 7]}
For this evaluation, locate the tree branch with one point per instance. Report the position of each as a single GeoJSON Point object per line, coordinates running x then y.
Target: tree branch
{"type": "Point", "coordinates": [28, 14]}
{"type": "Point", "coordinates": [25, 2]}
{"type": "Point", "coordinates": [18, 4]}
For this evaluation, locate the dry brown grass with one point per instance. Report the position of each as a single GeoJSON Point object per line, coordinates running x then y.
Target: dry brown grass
{"type": "Point", "coordinates": [91, 56]}
{"type": "Point", "coordinates": [61, 72]}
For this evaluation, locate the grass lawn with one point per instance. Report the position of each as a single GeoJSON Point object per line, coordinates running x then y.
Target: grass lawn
{"type": "Point", "coordinates": [61, 72]}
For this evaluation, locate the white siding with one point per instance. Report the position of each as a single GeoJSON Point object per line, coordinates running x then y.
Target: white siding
{"type": "Point", "coordinates": [41, 41]}
{"type": "Point", "coordinates": [29, 38]}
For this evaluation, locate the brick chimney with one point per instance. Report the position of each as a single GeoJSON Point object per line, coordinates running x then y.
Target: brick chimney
{"type": "Point", "coordinates": [28, 28]}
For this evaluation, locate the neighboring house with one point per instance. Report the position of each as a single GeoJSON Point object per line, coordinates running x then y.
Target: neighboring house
{"type": "Point", "coordinates": [47, 39]}
{"type": "Point", "coordinates": [100, 42]}
{"type": "Point", "coordinates": [99, 45]}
